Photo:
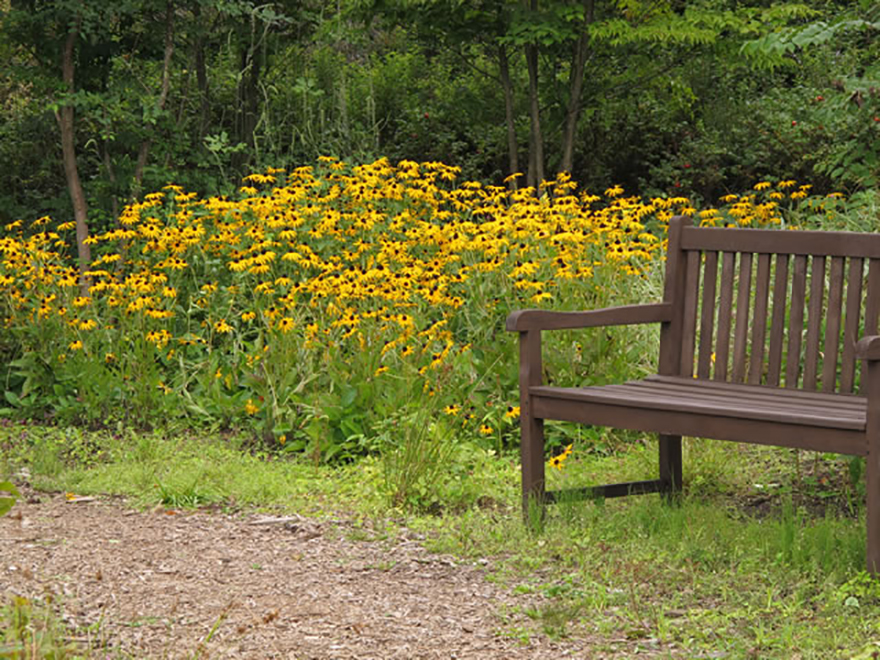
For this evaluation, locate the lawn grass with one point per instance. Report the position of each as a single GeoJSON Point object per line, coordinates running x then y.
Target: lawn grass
{"type": "Point", "coordinates": [762, 558]}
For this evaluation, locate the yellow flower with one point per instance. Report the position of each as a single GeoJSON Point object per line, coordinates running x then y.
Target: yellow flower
{"type": "Point", "coordinates": [485, 429]}
{"type": "Point", "coordinates": [248, 316]}
{"type": "Point", "coordinates": [222, 327]}
{"type": "Point", "coordinates": [452, 410]}
{"type": "Point", "coordinates": [512, 412]}
{"type": "Point", "coordinates": [76, 345]}
{"type": "Point", "coordinates": [557, 461]}
{"type": "Point", "coordinates": [250, 408]}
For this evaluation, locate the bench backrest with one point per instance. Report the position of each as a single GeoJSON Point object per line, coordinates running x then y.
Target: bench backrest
{"type": "Point", "coordinates": [772, 307]}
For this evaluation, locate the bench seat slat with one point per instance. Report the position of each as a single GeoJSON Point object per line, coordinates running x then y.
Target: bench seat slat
{"type": "Point", "coordinates": [763, 391]}
{"type": "Point", "coordinates": [722, 405]}
{"type": "Point", "coordinates": [620, 414]}
{"type": "Point", "coordinates": [758, 399]}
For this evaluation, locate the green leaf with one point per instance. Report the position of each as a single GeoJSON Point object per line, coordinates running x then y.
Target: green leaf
{"type": "Point", "coordinates": [8, 495]}
{"type": "Point", "coordinates": [349, 395]}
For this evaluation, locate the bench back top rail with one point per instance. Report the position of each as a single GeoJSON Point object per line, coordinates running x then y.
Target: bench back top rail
{"type": "Point", "coordinates": [780, 308]}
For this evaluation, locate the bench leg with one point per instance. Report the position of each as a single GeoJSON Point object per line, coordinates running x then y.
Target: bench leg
{"type": "Point", "coordinates": [670, 466]}
{"type": "Point", "coordinates": [872, 513]}
{"type": "Point", "coordinates": [872, 466]}
{"type": "Point", "coordinates": [873, 516]}
{"type": "Point", "coordinates": [532, 454]}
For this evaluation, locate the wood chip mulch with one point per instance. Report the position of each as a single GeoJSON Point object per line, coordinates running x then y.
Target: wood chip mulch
{"type": "Point", "coordinates": [203, 584]}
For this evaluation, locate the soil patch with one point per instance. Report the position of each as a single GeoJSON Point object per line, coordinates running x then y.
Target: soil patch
{"type": "Point", "coordinates": [180, 584]}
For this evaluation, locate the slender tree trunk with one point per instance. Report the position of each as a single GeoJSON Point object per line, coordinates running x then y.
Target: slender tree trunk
{"type": "Point", "coordinates": [65, 118]}
{"type": "Point", "coordinates": [536, 138]}
{"type": "Point", "coordinates": [201, 79]}
{"type": "Point", "coordinates": [512, 147]}
{"type": "Point", "coordinates": [575, 92]}
{"type": "Point", "coordinates": [111, 175]}
{"type": "Point", "coordinates": [248, 98]}
{"type": "Point", "coordinates": [536, 141]}
{"type": "Point", "coordinates": [144, 151]}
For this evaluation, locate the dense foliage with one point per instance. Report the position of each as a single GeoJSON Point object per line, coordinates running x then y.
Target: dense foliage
{"type": "Point", "coordinates": [693, 98]}
{"type": "Point", "coordinates": [319, 304]}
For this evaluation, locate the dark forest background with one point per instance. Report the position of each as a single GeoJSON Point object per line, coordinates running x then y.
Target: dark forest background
{"type": "Point", "coordinates": [103, 102]}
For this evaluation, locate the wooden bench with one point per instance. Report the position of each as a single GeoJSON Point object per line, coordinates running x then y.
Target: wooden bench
{"type": "Point", "coordinates": [766, 336]}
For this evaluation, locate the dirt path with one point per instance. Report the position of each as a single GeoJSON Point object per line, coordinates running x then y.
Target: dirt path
{"type": "Point", "coordinates": [159, 582]}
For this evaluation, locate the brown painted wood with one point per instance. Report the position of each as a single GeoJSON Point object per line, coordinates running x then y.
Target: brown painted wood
{"type": "Point", "coordinates": [531, 425]}
{"type": "Point", "coordinates": [872, 466]}
{"type": "Point", "coordinates": [741, 330]}
{"type": "Point", "coordinates": [818, 243]}
{"type": "Point", "coordinates": [832, 326]}
{"type": "Point", "coordinates": [851, 324]}
{"type": "Point", "coordinates": [707, 315]}
{"type": "Point", "coordinates": [759, 324]}
{"type": "Point", "coordinates": [725, 315]}
{"type": "Point", "coordinates": [603, 492]}
{"type": "Point", "coordinates": [872, 307]}
{"type": "Point", "coordinates": [848, 401]}
{"type": "Point", "coordinates": [777, 322]}
{"type": "Point", "coordinates": [814, 322]}
{"type": "Point", "coordinates": [673, 294]}
{"type": "Point", "coordinates": [704, 425]}
{"type": "Point", "coordinates": [872, 298]}
{"type": "Point", "coordinates": [689, 321]}
{"type": "Point", "coordinates": [762, 396]}
{"type": "Point", "coordinates": [539, 319]}
{"type": "Point", "coordinates": [796, 321]}
{"type": "Point", "coordinates": [721, 405]}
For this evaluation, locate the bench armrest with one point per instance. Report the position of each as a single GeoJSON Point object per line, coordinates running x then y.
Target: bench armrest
{"type": "Point", "coordinates": [539, 319]}
{"type": "Point", "coordinates": [868, 348]}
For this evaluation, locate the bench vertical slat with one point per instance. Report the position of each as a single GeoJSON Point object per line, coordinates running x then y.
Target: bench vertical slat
{"type": "Point", "coordinates": [707, 314]}
{"type": "Point", "coordinates": [777, 323]}
{"type": "Point", "coordinates": [673, 292]}
{"type": "Point", "coordinates": [814, 322]}
{"type": "Point", "coordinates": [759, 324]}
{"type": "Point", "coordinates": [872, 307]}
{"type": "Point", "coordinates": [689, 328]}
{"type": "Point", "coordinates": [796, 321]}
{"type": "Point", "coordinates": [851, 326]}
{"type": "Point", "coordinates": [741, 332]}
{"type": "Point", "coordinates": [725, 312]}
{"type": "Point", "coordinates": [832, 326]}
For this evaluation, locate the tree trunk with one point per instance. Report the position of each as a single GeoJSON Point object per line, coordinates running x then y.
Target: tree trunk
{"type": "Point", "coordinates": [248, 98]}
{"type": "Point", "coordinates": [65, 117]}
{"type": "Point", "coordinates": [512, 147]}
{"type": "Point", "coordinates": [201, 78]}
{"type": "Point", "coordinates": [144, 151]}
{"type": "Point", "coordinates": [536, 138]}
{"type": "Point", "coordinates": [575, 91]}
